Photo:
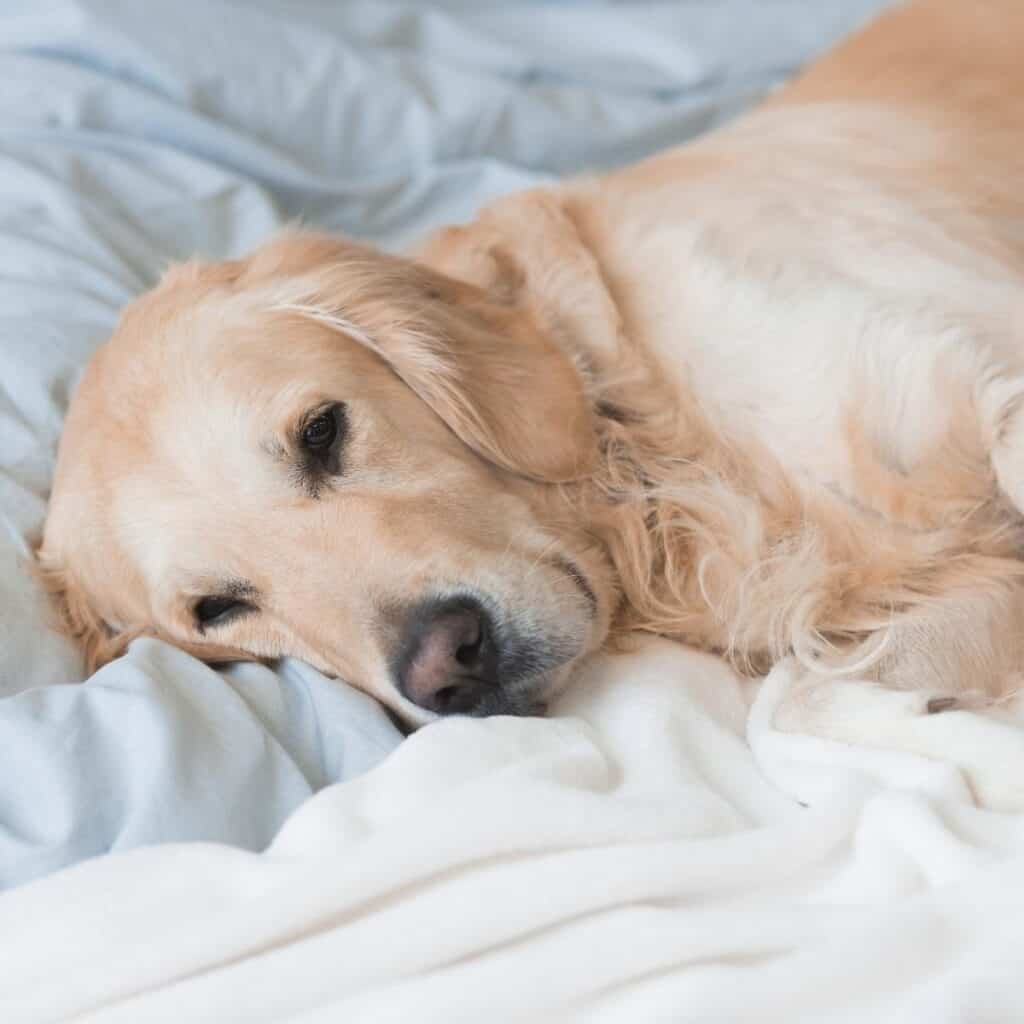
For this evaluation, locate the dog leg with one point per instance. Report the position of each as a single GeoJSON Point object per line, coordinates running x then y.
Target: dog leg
{"type": "Point", "coordinates": [987, 746]}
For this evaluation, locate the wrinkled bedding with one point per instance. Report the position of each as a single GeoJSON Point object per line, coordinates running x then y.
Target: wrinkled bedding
{"type": "Point", "coordinates": [657, 852]}
{"type": "Point", "coordinates": [157, 749]}
{"type": "Point", "coordinates": [257, 844]}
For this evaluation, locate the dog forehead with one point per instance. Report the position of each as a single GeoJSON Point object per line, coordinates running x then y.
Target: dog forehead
{"type": "Point", "coordinates": [227, 357]}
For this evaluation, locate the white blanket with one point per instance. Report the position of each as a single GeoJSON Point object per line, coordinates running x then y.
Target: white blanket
{"type": "Point", "coordinates": [632, 861]}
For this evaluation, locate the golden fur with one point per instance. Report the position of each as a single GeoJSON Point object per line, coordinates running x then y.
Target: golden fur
{"type": "Point", "coordinates": [536, 387]}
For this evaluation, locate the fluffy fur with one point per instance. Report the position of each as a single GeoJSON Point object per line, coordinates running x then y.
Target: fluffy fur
{"type": "Point", "coordinates": [764, 392]}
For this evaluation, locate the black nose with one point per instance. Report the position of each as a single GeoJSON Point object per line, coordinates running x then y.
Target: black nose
{"type": "Point", "coordinates": [448, 659]}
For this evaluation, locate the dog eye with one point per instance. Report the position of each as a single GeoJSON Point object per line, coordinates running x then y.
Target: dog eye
{"type": "Point", "coordinates": [318, 441]}
{"type": "Point", "coordinates": [321, 432]}
{"type": "Point", "coordinates": [215, 611]}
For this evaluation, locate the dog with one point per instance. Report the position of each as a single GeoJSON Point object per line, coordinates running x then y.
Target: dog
{"type": "Point", "coordinates": [762, 393]}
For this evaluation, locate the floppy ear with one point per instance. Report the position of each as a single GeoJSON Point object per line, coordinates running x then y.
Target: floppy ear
{"type": "Point", "coordinates": [526, 262]}
{"type": "Point", "coordinates": [490, 367]}
{"type": "Point", "coordinates": [76, 617]}
{"type": "Point", "coordinates": [500, 383]}
{"type": "Point", "coordinates": [526, 250]}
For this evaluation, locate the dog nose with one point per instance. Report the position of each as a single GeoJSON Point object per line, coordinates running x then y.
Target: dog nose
{"type": "Point", "coordinates": [448, 664]}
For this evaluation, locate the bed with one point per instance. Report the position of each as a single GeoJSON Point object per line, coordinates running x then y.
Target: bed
{"type": "Point", "coordinates": [261, 843]}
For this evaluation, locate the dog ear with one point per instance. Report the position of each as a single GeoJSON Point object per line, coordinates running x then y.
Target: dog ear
{"type": "Point", "coordinates": [75, 615]}
{"type": "Point", "coordinates": [503, 386]}
{"type": "Point", "coordinates": [526, 251]}
{"type": "Point", "coordinates": [526, 261]}
{"type": "Point", "coordinates": [485, 363]}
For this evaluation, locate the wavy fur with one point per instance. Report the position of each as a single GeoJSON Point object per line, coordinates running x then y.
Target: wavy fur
{"type": "Point", "coordinates": [716, 543]}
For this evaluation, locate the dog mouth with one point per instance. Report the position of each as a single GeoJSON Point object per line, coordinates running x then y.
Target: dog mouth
{"type": "Point", "coordinates": [530, 657]}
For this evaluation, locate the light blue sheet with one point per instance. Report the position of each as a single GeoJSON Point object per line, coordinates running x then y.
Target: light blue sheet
{"type": "Point", "coordinates": [157, 748]}
{"type": "Point", "coordinates": [136, 132]}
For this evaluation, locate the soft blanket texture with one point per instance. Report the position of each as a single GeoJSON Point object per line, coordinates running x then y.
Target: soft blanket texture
{"type": "Point", "coordinates": [635, 860]}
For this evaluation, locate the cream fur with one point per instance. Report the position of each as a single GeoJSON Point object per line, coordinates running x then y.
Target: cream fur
{"type": "Point", "coordinates": [765, 390]}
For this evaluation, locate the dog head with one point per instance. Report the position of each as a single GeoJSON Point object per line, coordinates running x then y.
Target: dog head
{"type": "Point", "coordinates": [359, 460]}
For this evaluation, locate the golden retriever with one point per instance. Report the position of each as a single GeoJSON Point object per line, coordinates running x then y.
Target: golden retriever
{"type": "Point", "coordinates": [762, 393]}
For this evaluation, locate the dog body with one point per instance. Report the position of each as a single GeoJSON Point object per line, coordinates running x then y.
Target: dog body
{"type": "Point", "coordinates": [761, 393]}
